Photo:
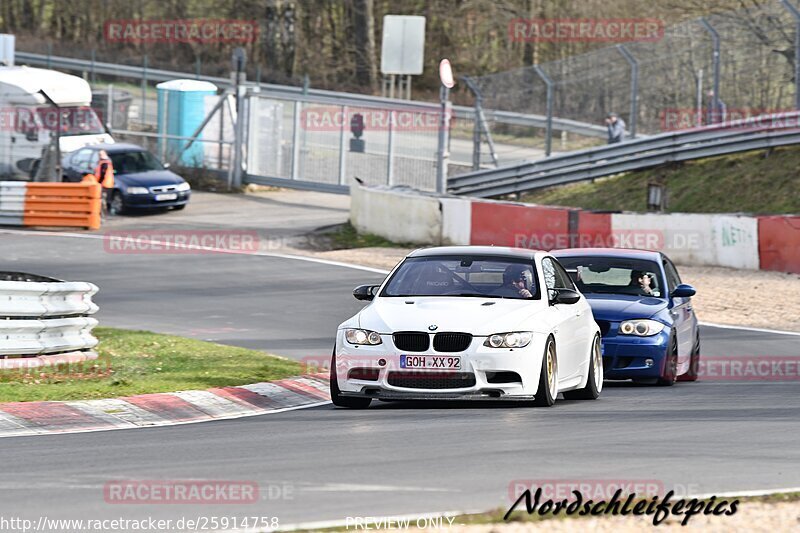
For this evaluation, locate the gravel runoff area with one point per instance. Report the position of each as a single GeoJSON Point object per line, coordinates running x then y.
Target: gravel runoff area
{"type": "Point", "coordinates": [753, 298]}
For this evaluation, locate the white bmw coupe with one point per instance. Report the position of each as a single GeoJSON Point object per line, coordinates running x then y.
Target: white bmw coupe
{"type": "Point", "coordinates": [469, 322]}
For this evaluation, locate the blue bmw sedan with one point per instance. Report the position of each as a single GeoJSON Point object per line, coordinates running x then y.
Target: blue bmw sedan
{"type": "Point", "coordinates": [644, 311]}
{"type": "Point", "coordinates": [141, 181]}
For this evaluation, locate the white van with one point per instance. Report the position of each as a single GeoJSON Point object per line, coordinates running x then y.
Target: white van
{"type": "Point", "coordinates": [29, 119]}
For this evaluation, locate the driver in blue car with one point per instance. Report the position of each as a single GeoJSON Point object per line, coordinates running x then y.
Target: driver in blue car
{"type": "Point", "coordinates": [642, 281]}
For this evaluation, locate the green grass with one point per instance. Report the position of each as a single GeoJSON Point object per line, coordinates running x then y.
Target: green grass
{"type": "Point", "coordinates": [346, 236]}
{"type": "Point", "coordinates": [749, 183]}
{"type": "Point", "coordinates": [139, 362]}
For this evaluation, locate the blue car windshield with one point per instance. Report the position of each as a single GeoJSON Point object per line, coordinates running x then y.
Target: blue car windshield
{"type": "Point", "coordinates": [134, 161]}
{"type": "Point", "coordinates": [615, 275]}
{"type": "Point", "coordinates": [464, 276]}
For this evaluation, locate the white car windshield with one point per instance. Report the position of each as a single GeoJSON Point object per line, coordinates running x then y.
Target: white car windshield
{"type": "Point", "coordinates": [466, 276]}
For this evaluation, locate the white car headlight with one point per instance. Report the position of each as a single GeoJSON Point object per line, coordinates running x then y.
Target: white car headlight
{"type": "Point", "coordinates": [362, 336]}
{"type": "Point", "coordinates": [514, 339]}
{"type": "Point", "coordinates": [183, 187]}
{"type": "Point", "coordinates": [137, 190]}
{"type": "Point", "coordinates": [641, 327]}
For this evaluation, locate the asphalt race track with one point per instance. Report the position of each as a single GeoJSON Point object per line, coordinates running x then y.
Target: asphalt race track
{"type": "Point", "coordinates": [323, 463]}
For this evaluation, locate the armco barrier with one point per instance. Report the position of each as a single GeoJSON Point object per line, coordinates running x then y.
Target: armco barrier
{"type": "Point", "coordinates": [43, 320]}
{"type": "Point", "coordinates": [779, 243]}
{"type": "Point", "coordinates": [50, 204]}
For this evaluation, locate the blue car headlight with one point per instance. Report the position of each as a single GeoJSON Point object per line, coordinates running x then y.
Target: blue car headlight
{"type": "Point", "coordinates": [137, 190]}
{"type": "Point", "coordinates": [641, 327]}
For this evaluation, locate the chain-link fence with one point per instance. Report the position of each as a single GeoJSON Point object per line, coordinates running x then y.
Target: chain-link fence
{"type": "Point", "coordinates": [317, 141]}
{"type": "Point", "coordinates": [675, 75]}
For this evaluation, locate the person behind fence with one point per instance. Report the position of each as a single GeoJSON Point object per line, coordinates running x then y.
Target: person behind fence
{"type": "Point", "coordinates": [715, 116]}
{"type": "Point", "coordinates": [616, 128]}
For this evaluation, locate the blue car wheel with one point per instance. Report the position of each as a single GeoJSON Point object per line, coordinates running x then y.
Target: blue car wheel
{"type": "Point", "coordinates": [669, 375]}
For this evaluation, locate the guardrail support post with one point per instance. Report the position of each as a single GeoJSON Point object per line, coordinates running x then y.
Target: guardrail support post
{"type": "Point", "coordinates": [796, 14]}
{"type": "Point", "coordinates": [548, 132]}
{"type": "Point", "coordinates": [634, 86]}
{"type": "Point", "coordinates": [715, 64]}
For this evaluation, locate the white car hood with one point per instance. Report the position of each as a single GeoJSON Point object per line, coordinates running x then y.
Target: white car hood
{"type": "Point", "coordinates": [478, 316]}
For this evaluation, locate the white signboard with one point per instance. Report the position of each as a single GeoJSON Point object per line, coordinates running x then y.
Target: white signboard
{"type": "Point", "coordinates": [403, 45]}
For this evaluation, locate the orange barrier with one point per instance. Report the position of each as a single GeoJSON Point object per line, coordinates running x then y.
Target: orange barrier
{"type": "Point", "coordinates": [779, 243]}
{"type": "Point", "coordinates": [62, 204]}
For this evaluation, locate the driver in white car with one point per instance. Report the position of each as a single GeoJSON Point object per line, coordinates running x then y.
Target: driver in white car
{"type": "Point", "coordinates": [517, 282]}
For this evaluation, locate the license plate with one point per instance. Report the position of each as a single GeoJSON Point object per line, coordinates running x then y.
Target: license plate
{"type": "Point", "coordinates": [430, 361]}
{"type": "Point", "coordinates": [166, 197]}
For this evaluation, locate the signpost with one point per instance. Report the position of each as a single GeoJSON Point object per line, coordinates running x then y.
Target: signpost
{"type": "Point", "coordinates": [448, 81]}
{"type": "Point", "coordinates": [402, 52]}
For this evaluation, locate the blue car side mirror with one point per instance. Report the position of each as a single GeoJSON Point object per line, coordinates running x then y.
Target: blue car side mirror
{"type": "Point", "coordinates": [683, 291]}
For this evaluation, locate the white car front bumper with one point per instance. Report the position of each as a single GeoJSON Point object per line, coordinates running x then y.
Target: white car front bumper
{"type": "Point", "coordinates": [485, 373]}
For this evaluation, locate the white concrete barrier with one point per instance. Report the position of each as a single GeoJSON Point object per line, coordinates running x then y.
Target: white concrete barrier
{"type": "Point", "coordinates": [736, 241]}
{"type": "Point", "coordinates": [400, 215]}
{"type": "Point", "coordinates": [685, 238]}
{"type": "Point", "coordinates": [456, 221]}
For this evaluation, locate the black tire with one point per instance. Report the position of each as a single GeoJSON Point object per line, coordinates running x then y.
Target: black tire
{"type": "Point", "coordinates": [670, 370]}
{"type": "Point", "coordinates": [591, 391]}
{"type": "Point", "coordinates": [344, 401]}
{"type": "Point", "coordinates": [694, 362]}
{"type": "Point", "coordinates": [115, 204]}
{"type": "Point", "coordinates": [179, 207]}
{"type": "Point", "coordinates": [544, 393]}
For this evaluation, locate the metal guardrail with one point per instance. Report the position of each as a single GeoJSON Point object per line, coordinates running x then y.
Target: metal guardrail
{"type": "Point", "coordinates": [738, 136]}
{"type": "Point", "coordinates": [296, 93]}
{"type": "Point", "coordinates": [45, 316]}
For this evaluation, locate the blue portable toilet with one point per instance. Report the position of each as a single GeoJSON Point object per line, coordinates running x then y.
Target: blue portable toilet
{"type": "Point", "coordinates": [181, 104]}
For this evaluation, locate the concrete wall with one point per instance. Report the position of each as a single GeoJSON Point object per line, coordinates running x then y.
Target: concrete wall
{"type": "Point", "coordinates": [735, 241]}
{"type": "Point", "coordinates": [398, 215]}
